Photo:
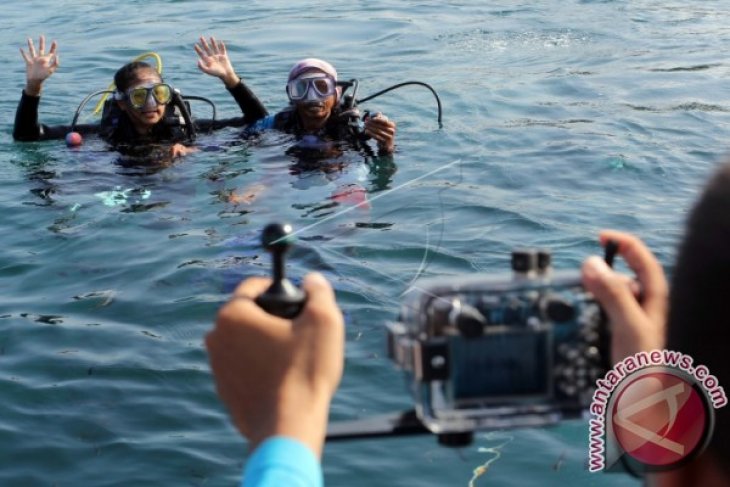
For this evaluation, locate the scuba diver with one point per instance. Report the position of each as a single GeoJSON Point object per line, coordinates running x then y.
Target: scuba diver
{"type": "Point", "coordinates": [316, 114]}
{"type": "Point", "coordinates": [144, 110]}
{"type": "Point", "coordinates": [324, 122]}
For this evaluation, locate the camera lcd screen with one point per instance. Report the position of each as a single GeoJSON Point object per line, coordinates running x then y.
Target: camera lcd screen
{"type": "Point", "coordinates": [501, 366]}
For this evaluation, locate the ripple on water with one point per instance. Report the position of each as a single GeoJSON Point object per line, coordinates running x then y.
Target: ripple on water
{"type": "Point", "coordinates": [560, 118]}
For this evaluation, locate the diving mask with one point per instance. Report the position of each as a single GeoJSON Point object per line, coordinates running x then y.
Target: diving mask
{"type": "Point", "coordinates": [318, 86]}
{"type": "Point", "coordinates": [160, 92]}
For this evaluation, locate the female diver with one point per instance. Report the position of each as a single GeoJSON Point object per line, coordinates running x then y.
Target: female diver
{"type": "Point", "coordinates": [143, 110]}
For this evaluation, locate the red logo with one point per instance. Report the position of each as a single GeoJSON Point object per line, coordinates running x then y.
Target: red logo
{"type": "Point", "coordinates": [660, 418]}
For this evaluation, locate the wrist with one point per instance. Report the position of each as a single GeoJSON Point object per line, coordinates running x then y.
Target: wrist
{"type": "Point", "coordinates": [631, 342]}
{"type": "Point", "coordinates": [33, 88]}
{"type": "Point", "coordinates": [305, 424]}
{"type": "Point", "coordinates": [230, 80]}
{"type": "Point", "coordinates": [386, 148]}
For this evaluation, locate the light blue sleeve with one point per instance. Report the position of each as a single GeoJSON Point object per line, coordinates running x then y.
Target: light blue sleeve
{"type": "Point", "coordinates": [282, 461]}
{"type": "Point", "coordinates": [260, 125]}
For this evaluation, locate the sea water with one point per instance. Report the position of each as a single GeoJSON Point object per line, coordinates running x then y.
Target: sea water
{"type": "Point", "coordinates": [560, 118]}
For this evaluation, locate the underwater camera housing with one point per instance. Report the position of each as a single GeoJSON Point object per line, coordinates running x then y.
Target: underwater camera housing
{"type": "Point", "coordinates": [488, 352]}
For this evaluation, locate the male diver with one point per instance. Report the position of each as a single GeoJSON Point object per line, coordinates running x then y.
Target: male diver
{"type": "Point", "coordinates": [315, 110]}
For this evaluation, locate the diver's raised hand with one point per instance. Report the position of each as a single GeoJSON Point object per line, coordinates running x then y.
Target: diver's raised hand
{"type": "Point", "coordinates": [382, 130]}
{"type": "Point", "coordinates": [214, 61]}
{"type": "Point", "coordinates": [38, 65]}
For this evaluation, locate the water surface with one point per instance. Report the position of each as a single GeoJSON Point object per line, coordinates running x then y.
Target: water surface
{"type": "Point", "coordinates": [560, 118]}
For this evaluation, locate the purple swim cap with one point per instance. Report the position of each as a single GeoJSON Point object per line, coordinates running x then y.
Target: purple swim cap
{"type": "Point", "coordinates": [309, 64]}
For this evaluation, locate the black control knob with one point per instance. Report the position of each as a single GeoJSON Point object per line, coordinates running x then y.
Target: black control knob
{"type": "Point", "coordinates": [544, 259]}
{"type": "Point", "coordinates": [438, 315]}
{"type": "Point", "coordinates": [558, 309]}
{"type": "Point", "coordinates": [469, 321]}
{"type": "Point", "coordinates": [524, 260]}
{"type": "Point", "coordinates": [453, 314]}
{"type": "Point", "coordinates": [282, 298]}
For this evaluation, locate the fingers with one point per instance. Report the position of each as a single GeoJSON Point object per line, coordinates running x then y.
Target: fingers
{"type": "Point", "coordinates": [26, 58]}
{"type": "Point", "coordinates": [52, 56]}
{"type": "Point", "coordinates": [319, 335]}
{"type": "Point", "coordinates": [380, 128]}
{"type": "Point", "coordinates": [242, 316]}
{"type": "Point", "coordinates": [200, 52]}
{"type": "Point", "coordinates": [179, 150]}
{"type": "Point", "coordinates": [210, 48]}
{"type": "Point", "coordinates": [242, 307]}
{"type": "Point", "coordinates": [204, 45]}
{"type": "Point", "coordinates": [321, 309]}
{"type": "Point", "coordinates": [31, 48]}
{"type": "Point", "coordinates": [379, 131]}
{"type": "Point", "coordinates": [252, 287]}
{"type": "Point", "coordinates": [41, 53]}
{"type": "Point", "coordinates": [204, 53]}
{"type": "Point", "coordinates": [319, 291]}
{"type": "Point", "coordinates": [612, 290]}
{"type": "Point", "coordinates": [632, 328]}
{"type": "Point", "coordinates": [649, 271]}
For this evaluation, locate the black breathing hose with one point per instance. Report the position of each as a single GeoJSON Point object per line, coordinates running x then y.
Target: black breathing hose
{"type": "Point", "coordinates": [83, 104]}
{"type": "Point", "coordinates": [180, 103]}
{"type": "Point", "coordinates": [203, 99]}
{"type": "Point", "coordinates": [406, 83]}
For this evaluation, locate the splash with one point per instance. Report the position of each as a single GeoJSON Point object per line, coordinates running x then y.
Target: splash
{"type": "Point", "coordinates": [119, 196]}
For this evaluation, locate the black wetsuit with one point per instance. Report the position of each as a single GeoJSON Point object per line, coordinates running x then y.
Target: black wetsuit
{"type": "Point", "coordinates": [338, 126]}
{"type": "Point", "coordinates": [120, 130]}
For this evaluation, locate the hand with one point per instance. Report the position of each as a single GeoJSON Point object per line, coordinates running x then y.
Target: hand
{"type": "Point", "coordinates": [214, 61]}
{"type": "Point", "coordinates": [179, 150]}
{"type": "Point", "coordinates": [638, 318]}
{"type": "Point", "coordinates": [277, 376]}
{"type": "Point", "coordinates": [38, 65]}
{"type": "Point", "coordinates": [382, 130]}
{"type": "Point", "coordinates": [248, 195]}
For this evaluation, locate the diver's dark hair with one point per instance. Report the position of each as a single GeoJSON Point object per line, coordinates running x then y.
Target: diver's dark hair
{"type": "Point", "coordinates": [699, 313]}
{"type": "Point", "coordinates": [128, 73]}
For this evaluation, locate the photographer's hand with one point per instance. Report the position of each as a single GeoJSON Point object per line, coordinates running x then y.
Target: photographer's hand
{"type": "Point", "coordinates": [637, 318]}
{"type": "Point", "coordinates": [277, 376]}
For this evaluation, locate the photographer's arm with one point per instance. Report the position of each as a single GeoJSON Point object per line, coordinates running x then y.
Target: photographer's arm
{"type": "Point", "coordinates": [637, 315]}
{"type": "Point", "coordinates": [277, 378]}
